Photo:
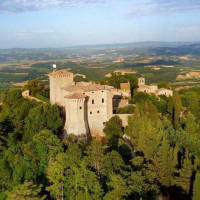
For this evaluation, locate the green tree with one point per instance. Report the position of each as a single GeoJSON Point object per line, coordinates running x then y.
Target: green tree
{"type": "Point", "coordinates": [62, 172]}
{"type": "Point", "coordinates": [34, 87]}
{"type": "Point", "coordinates": [26, 191]}
{"type": "Point", "coordinates": [42, 117]}
{"type": "Point", "coordinates": [138, 185]}
{"type": "Point", "coordinates": [191, 126]}
{"type": "Point", "coordinates": [151, 111]}
{"type": "Point", "coordinates": [114, 163]}
{"type": "Point", "coordinates": [163, 165]}
{"type": "Point", "coordinates": [47, 146]}
{"type": "Point", "coordinates": [113, 131]}
{"type": "Point", "coordinates": [196, 186]}
{"type": "Point", "coordinates": [82, 184]}
{"type": "Point", "coordinates": [95, 156]}
{"type": "Point", "coordinates": [185, 173]}
{"type": "Point", "coordinates": [192, 100]}
{"type": "Point", "coordinates": [118, 188]}
{"type": "Point", "coordinates": [175, 108]}
{"type": "Point", "coordinates": [163, 84]}
{"type": "Point", "coordinates": [56, 175]}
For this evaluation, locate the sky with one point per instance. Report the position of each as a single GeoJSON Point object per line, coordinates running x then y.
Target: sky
{"type": "Point", "coordinates": [63, 23]}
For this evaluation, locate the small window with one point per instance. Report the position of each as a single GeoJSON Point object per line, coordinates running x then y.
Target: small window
{"type": "Point", "coordinates": [104, 123]}
{"type": "Point", "coordinates": [102, 100]}
{"type": "Point", "coordinates": [83, 92]}
{"type": "Point", "coordinates": [90, 112]}
{"type": "Point", "coordinates": [80, 107]}
{"type": "Point", "coordinates": [98, 112]}
{"type": "Point", "coordinates": [92, 92]}
{"type": "Point", "coordinates": [92, 101]}
{"type": "Point", "coordinates": [102, 91]}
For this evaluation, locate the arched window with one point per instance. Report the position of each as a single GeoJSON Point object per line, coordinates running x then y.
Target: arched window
{"type": "Point", "coordinates": [92, 101]}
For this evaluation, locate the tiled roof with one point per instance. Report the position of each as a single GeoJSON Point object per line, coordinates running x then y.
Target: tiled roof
{"type": "Point", "coordinates": [124, 85]}
{"type": "Point", "coordinates": [85, 87]}
{"type": "Point", "coordinates": [59, 72]}
{"type": "Point", "coordinates": [75, 96]}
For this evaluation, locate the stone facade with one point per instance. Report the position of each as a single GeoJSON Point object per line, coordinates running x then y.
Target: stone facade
{"type": "Point", "coordinates": [152, 89]}
{"type": "Point", "coordinates": [87, 105]}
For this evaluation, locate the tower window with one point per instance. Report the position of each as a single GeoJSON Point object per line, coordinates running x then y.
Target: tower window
{"type": "Point", "coordinates": [80, 107]}
{"type": "Point", "coordinates": [92, 101]}
{"type": "Point", "coordinates": [98, 111]}
{"type": "Point", "coordinates": [90, 112]}
{"type": "Point", "coordinates": [102, 100]}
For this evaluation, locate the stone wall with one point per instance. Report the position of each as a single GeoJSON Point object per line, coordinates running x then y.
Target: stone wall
{"type": "Point", "coordinates": [56, 82]}
{"type": "Point", "coordinates": [99, 110]}
{"type": "Point", "coordinates": [76, 119]}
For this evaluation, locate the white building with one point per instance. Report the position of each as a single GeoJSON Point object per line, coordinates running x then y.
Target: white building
{"type": "Point", "coordinates": [152, 89]}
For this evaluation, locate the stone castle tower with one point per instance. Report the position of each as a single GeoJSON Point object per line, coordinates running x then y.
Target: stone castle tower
{"type": "Point", "coordinates": [76, 118]}
{"type": "Point", "coordinates": [57, 80]}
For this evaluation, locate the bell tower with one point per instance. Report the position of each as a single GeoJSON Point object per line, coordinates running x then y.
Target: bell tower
{"type": "Point", "coordinates": [141, 81]}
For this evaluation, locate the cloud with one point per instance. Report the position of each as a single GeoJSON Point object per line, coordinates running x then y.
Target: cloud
{"type": "Point", "coordinates": [20, 6]}
{"type": "Point", "coordinates": [160, 7]}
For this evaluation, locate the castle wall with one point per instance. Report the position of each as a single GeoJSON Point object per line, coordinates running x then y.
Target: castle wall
{"type": "Point", "coordinates": [99, 110]}
{"type": "Point", "coordinates": [76, 119]}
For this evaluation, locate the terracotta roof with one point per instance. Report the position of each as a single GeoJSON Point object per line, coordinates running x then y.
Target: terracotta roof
{"type": "Point", "coordinates": [124, 85]}
{"type": "Point", "coordinates": [85, 87]}
{"type": "Point", "coordinates": [75, 96]}
{"type": "Point", "coordinates": [59, 72]}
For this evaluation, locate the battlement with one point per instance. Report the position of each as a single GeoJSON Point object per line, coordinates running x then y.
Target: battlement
{"type": "Point", "coordinates": [60, 73]}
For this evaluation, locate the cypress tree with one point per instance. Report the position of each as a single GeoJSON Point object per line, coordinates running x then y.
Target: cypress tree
{"type": "Point", "coordinates": [196, 187]}
{"type": "Point", "coordinates": [185, 173]}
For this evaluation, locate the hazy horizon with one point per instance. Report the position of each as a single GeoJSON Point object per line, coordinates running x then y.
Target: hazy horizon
{"type": "Point", "coordinates": [107, 44]}
{"type": "Point", "coordinates": [68, 23]}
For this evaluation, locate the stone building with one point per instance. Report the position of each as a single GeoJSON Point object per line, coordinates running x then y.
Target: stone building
{"type": "Point", "coordinates": [87, 105]}
{"type": "Point", "coordinates": [152, 89]}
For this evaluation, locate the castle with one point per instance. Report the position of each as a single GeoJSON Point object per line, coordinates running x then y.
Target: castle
{"type": "Point", "coordinates": [87, 106]}
{"type": "Point", "coordinates": [153, 89]}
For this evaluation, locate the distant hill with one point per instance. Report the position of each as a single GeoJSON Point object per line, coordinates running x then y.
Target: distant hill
{"type": "Point", "coordinates": [110, 51]}
{"type": "Point", "coordinates": [145, 44]}
{"type": "Point", "coordinates": [190, 49]}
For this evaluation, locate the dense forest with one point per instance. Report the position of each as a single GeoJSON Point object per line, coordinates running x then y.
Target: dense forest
{"type": "Point", "coordinates": [156, 156]}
